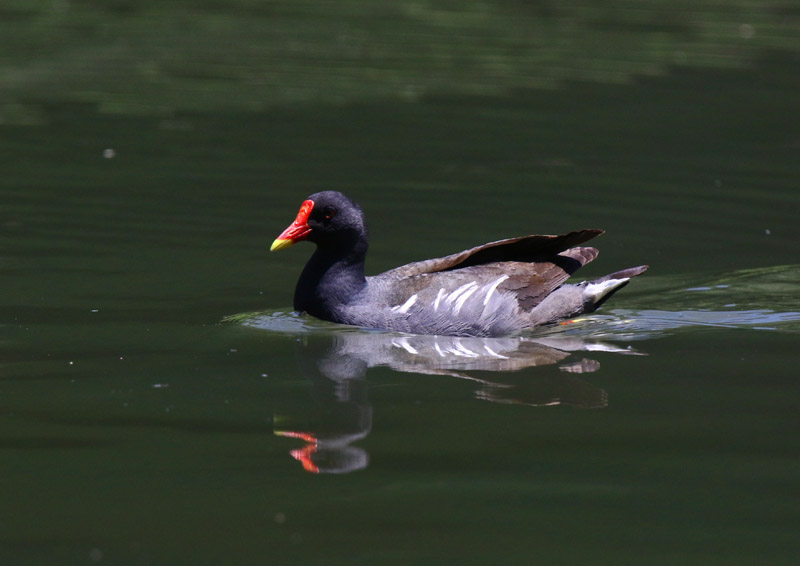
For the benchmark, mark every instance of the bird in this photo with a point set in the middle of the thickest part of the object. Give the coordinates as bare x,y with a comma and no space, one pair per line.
497,289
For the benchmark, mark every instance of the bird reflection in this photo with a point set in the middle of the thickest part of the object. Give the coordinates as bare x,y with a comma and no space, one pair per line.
337,366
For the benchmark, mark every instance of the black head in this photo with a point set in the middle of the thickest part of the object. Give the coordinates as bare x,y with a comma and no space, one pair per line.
329,219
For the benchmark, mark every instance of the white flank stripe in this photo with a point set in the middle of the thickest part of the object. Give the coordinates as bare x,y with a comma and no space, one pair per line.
407,305
493,288
455,294
463,298
439,297
403,343
493,353
461,350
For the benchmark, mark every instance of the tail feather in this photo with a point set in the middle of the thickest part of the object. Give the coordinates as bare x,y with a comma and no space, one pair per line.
623,274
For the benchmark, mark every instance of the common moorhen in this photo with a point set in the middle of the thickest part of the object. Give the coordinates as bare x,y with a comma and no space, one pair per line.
496,289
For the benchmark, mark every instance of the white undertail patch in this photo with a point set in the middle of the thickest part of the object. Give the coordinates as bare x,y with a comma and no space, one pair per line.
596,291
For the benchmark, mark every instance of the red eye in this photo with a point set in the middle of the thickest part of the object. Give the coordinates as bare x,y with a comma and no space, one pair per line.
329,212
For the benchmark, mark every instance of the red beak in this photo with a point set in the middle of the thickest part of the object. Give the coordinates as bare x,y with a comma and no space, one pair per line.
297,230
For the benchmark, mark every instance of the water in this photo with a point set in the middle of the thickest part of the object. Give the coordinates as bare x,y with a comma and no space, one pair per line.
160,403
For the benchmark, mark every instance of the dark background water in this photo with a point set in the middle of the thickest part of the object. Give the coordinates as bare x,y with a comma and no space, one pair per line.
151,153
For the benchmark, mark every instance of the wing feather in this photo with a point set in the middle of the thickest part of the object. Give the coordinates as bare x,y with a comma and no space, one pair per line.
525,249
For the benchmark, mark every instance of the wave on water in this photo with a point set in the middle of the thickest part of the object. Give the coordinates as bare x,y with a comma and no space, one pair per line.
756,299
283,321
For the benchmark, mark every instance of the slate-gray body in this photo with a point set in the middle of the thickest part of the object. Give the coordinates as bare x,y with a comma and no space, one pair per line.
496,289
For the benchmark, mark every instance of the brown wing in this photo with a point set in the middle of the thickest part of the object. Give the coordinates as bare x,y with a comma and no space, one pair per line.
526,249
532,282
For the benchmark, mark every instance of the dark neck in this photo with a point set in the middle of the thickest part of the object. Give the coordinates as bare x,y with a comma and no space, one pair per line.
331,279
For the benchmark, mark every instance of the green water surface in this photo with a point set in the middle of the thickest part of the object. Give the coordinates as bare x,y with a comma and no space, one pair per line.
161,404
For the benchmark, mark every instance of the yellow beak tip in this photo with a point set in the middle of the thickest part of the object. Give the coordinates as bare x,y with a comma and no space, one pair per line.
280,244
